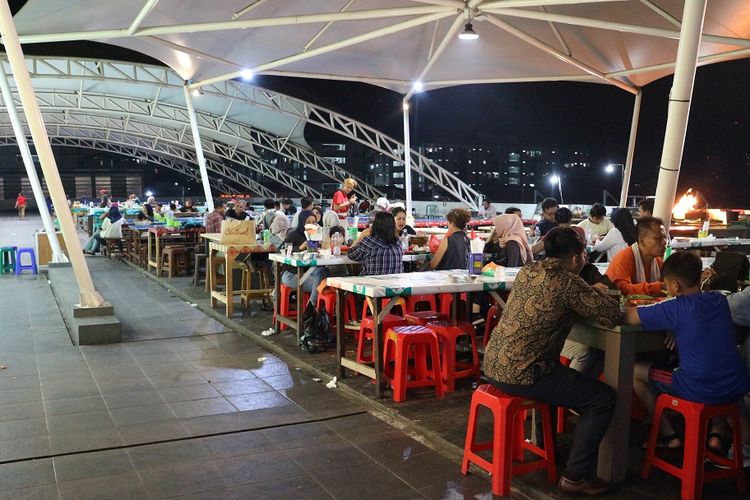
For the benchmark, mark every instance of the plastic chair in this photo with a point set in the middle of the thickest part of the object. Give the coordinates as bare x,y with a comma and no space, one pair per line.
417,342
414,301
328,299
508,438
286,306
448,333
7,260
697,418
20,267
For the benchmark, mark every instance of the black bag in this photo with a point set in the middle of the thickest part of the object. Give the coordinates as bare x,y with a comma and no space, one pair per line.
730,267
316,334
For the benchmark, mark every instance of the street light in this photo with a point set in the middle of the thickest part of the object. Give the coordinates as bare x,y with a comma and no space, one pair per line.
609,169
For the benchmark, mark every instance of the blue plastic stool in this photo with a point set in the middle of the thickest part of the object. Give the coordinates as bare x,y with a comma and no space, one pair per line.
20,267
7,260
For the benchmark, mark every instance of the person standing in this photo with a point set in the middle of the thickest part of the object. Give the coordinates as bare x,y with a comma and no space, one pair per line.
344,198
523,355
487,210
21,206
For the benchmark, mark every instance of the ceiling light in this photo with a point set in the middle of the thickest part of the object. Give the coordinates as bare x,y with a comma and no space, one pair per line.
417,86
247,75
468,33
197,92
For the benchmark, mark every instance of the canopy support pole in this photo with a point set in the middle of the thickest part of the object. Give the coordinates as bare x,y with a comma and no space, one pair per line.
198,149
89,297
679,108
407,158
631,149
28,162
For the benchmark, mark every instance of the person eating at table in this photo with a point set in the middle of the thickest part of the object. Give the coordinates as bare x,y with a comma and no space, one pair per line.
213,220
514,211
523,354
709,369
188,206
318,211
596,224
402,228
379,249
305,204
298,241
563,218
508,242
344,199
279,229
454,249
547,222
621,236
637,268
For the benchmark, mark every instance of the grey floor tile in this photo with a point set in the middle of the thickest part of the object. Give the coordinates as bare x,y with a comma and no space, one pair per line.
330,456
226,374
25,428
197,477
168,454
78,422
17,449
145,397
85,440
18,411
178,379
18,381
300,487
258,401
166,368
237,387
307,435
202,407
124,486
135,415
25,474
10,396
238,444
153,432
371,481
90,465
44,492
258,468
70,391
120,385
188,392
86,404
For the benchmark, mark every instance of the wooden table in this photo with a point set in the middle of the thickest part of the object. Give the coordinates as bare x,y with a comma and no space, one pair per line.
231,251
393,287
620,345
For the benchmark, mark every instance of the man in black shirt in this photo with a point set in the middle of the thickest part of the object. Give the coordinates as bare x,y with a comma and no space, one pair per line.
547,222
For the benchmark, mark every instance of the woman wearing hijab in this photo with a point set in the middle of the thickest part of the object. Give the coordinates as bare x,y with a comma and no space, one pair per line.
298,241
111,229
621,236
279,228
508,242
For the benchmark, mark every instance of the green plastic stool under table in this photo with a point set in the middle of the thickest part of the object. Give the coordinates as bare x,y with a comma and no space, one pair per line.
7,260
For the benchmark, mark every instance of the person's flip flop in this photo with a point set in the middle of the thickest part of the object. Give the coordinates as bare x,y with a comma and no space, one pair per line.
662,442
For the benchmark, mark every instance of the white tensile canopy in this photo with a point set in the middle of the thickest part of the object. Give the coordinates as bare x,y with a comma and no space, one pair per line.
407,46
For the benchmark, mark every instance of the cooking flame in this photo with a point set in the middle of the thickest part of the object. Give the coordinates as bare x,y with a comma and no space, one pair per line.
686,203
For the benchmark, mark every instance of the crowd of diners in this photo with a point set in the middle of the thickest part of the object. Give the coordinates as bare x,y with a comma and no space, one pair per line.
556,286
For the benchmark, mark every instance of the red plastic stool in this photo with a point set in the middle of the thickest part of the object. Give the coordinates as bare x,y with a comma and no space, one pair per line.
446,302
697,417
424,317
402,339
328,298
508,441
286,306
413,301
448,333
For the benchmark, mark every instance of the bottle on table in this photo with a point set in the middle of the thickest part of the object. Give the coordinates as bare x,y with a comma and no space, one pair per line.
336,240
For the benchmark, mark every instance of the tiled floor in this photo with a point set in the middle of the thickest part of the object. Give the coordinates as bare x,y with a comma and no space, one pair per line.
184,408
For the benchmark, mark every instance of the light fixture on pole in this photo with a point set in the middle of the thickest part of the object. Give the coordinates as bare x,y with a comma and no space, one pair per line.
557,179
468,33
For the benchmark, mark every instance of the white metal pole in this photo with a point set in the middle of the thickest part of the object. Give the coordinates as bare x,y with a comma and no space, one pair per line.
28,162
631,149
679,108
88,294
198,149
407,158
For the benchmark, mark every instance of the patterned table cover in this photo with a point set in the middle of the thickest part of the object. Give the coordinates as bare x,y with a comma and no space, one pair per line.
709,242
421,283
335,261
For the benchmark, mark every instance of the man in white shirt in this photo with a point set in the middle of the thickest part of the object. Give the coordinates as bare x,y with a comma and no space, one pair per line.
487,210
305,204
596,225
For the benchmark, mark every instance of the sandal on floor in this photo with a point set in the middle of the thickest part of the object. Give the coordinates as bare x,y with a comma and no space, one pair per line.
724,446
664,442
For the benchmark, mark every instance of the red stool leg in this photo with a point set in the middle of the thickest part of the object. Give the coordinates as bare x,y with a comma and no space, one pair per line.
691,473
651,448
738,458
435,355
549,444
502,452
400,370
471,432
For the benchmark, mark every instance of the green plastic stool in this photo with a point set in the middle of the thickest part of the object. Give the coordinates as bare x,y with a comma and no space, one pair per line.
7,260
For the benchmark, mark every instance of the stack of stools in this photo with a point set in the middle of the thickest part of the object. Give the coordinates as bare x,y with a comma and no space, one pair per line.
367,329
448,332
446,303
174,261
419,316
20,267
697,418
7,260
199,264
286,306
412,342
413,303
508,438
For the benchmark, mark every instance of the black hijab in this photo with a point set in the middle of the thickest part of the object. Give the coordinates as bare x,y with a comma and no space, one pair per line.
623,220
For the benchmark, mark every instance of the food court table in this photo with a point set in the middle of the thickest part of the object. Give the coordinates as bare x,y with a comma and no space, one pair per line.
160,234
304,267
679,243
620,345
231,251
392,287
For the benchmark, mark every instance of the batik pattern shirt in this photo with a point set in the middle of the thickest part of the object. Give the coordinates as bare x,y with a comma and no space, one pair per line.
545,302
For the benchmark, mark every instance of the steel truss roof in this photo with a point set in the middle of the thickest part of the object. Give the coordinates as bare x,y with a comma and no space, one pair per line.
217,122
